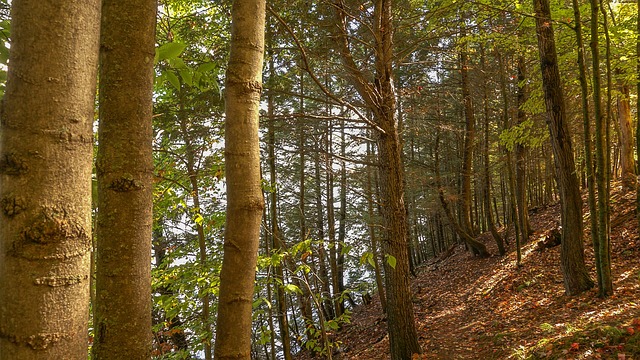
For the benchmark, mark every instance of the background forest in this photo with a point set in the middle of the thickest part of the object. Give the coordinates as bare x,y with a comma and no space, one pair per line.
392,134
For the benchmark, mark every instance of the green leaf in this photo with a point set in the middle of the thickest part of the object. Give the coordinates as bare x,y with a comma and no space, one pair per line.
185,74
177,63
206,67
391,260
173,79
346,249
333,325
292,289
169,50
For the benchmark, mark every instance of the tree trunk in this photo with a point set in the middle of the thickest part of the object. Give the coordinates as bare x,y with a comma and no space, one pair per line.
380,99
193,174
46,153
638,113
372,233
602,168
487,172
587,130
469,140
576,276
520,152
276,242
244,194
628,172
124,172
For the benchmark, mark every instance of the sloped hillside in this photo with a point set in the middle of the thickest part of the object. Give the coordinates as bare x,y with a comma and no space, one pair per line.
470,308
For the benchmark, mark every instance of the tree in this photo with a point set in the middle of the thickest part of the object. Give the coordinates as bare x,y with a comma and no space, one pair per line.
576,276
244,194
46,151
380,99
124,172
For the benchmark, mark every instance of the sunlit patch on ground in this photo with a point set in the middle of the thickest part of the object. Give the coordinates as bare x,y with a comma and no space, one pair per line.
470,308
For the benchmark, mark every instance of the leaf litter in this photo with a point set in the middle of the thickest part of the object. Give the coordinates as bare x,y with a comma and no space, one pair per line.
471,308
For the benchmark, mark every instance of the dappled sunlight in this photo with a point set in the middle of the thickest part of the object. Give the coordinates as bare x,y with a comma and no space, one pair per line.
471,308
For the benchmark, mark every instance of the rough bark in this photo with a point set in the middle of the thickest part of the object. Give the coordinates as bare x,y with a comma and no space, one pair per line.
602,169
485,156
379,97
372,233
628,171
588,146
244,194
638,112
469,141
520,152
576,276
46,153
124,173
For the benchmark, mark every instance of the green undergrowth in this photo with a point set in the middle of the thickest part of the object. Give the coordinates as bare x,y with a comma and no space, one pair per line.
612,340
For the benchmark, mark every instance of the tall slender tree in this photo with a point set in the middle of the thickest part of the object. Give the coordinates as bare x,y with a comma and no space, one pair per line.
124,172
379,96
576,276
46,154
603,261
244,194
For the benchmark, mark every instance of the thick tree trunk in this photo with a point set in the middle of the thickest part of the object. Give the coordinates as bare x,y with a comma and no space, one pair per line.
124,172
244,194
380,98
576,276
46,154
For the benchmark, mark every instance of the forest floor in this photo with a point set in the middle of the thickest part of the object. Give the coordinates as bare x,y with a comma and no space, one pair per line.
472,308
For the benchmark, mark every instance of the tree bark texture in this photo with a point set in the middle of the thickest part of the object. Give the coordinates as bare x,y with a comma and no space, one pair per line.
603,265
469,140
628,171
520,152
244,194
125,190
46,154
588,146
576,276
379,97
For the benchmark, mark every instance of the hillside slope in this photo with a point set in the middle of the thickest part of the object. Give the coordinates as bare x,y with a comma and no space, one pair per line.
470,308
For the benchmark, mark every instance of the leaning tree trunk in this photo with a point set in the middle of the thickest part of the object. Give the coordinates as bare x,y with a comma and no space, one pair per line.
46,153
244,194
576,276
124,172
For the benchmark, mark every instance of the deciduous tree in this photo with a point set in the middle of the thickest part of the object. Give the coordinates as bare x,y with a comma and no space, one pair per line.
46,153
124,171
244,194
